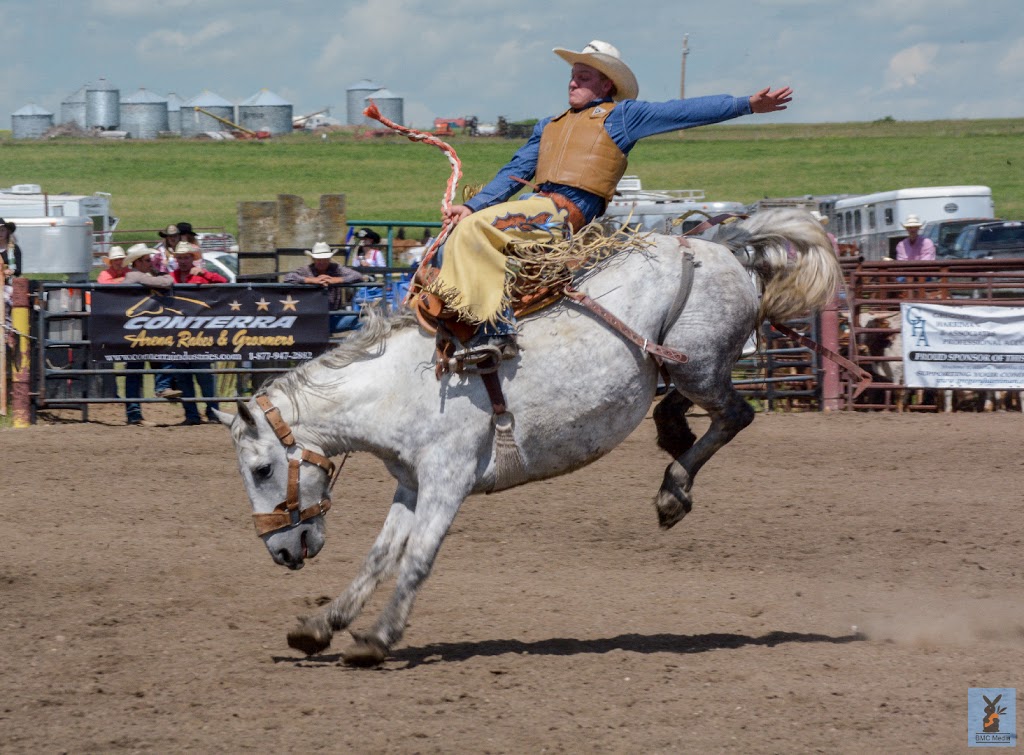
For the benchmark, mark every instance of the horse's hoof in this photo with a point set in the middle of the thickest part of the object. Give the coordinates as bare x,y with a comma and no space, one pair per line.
309,638
366,651
671,509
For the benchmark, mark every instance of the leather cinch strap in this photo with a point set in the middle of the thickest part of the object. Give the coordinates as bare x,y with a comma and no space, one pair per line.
288,513
660,353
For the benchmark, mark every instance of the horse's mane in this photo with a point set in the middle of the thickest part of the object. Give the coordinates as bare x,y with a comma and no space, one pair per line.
366,343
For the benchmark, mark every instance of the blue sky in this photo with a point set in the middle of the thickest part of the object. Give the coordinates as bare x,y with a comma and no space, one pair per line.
909,59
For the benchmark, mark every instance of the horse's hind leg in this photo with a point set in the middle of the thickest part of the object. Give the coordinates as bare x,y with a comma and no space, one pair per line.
674,433
729,414
314,633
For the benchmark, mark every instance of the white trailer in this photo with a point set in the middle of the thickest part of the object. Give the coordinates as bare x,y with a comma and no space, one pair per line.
30,201
874,222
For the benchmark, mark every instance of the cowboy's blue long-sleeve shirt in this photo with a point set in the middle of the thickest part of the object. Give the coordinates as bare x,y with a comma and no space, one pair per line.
629,122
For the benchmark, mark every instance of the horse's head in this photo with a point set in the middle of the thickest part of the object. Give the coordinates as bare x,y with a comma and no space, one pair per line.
288,482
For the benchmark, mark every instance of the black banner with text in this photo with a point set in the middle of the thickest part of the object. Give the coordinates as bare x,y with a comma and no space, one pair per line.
208,324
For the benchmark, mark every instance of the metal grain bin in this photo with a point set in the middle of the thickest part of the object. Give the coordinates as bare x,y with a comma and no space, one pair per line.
72,110
265,111
194,122
55,245
390,106
174,103
354,101
102,106
30,122
143,115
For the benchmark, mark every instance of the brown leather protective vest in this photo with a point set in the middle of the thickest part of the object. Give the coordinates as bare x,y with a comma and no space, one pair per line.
575,150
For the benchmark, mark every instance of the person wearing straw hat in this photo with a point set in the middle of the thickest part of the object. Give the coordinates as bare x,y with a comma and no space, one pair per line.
576,159
323,271
115,270
187,270
139,263
163,252
187,259
914,246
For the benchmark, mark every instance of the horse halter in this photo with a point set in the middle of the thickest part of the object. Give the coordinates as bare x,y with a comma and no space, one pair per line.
288,513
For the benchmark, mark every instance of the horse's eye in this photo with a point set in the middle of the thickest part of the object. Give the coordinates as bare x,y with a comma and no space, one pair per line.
263,473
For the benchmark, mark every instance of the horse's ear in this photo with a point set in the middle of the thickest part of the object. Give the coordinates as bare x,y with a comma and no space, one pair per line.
223,417
245,414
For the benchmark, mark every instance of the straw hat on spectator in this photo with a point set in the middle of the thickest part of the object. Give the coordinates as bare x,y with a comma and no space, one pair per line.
171,230
912,221
321,251
115,253
187,247
135,253
606,59
823,219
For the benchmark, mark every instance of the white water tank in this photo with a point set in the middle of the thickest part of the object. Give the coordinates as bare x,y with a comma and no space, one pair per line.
54,245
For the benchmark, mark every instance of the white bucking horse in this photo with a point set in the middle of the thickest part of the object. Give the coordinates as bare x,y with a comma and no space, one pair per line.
576,390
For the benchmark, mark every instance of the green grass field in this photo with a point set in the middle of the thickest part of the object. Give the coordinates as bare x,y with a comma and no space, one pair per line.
154,183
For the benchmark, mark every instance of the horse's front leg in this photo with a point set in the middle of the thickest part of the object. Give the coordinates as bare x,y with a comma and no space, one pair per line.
314,633
434,515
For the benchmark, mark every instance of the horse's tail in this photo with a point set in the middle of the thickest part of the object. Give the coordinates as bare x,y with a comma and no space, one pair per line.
794,258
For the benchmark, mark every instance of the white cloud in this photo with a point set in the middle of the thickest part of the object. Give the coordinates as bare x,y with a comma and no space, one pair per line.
907,66
1012,62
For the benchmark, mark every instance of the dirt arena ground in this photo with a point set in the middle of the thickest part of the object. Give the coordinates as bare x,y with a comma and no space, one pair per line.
841,583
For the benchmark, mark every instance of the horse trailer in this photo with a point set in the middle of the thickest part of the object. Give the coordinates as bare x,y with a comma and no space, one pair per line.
874,222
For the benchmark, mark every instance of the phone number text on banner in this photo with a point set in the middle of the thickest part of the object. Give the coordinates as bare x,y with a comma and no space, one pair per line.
977,347
211,324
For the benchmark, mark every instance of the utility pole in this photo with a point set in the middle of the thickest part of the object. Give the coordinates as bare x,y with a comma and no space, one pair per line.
682,73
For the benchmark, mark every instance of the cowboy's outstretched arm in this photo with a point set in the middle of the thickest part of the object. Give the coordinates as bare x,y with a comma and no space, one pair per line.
767,101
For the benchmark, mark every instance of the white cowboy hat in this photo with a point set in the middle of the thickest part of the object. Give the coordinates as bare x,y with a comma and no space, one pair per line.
187,247
136,252
321,251
606,59
823,219
115,253
912,221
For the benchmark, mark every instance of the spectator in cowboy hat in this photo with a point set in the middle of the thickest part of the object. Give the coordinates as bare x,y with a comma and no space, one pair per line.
187,255
914,246
139,260
115,270
577,158
164,251
186,233
187,258
323,271
368,254
10,267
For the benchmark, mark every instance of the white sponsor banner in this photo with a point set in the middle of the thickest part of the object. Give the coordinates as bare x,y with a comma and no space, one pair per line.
962,347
